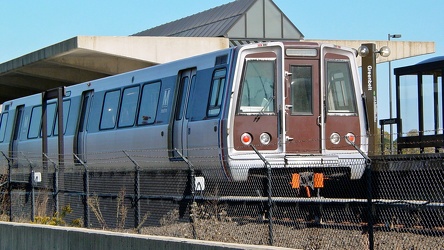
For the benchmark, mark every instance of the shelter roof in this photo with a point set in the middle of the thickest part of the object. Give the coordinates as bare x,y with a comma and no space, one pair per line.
431,66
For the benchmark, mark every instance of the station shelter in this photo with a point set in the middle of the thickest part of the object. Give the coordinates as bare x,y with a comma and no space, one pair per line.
419,106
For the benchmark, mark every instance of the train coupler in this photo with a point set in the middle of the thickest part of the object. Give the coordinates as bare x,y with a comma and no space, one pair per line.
309,181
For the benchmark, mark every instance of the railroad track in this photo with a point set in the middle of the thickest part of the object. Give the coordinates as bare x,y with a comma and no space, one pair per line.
407,216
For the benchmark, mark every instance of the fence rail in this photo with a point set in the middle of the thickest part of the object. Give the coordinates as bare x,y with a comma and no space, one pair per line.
402,197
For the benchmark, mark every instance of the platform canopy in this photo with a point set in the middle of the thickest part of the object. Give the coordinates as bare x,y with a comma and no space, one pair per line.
86,58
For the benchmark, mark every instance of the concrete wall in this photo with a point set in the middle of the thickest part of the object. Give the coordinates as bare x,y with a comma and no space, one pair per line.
32,236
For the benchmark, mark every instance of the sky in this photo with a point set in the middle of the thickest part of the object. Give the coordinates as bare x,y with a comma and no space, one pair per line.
28,25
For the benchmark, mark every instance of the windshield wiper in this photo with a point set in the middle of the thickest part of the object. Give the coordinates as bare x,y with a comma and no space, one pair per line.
265,106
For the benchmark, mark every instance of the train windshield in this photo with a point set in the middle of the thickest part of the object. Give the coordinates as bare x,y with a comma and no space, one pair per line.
340,89
257,90
301,90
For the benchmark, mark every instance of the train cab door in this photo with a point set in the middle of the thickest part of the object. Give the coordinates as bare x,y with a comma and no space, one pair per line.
180,123
303,113
342,116
81,132
16,134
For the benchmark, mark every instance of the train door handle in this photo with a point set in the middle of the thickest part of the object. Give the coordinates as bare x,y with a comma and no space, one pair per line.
189,130
318,120
288,138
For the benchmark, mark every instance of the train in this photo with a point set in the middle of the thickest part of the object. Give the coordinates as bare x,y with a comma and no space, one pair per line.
284,105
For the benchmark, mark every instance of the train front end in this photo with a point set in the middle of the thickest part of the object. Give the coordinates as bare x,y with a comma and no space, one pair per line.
298,107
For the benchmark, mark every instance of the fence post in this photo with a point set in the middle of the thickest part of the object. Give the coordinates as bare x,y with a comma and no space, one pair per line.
55,184
136,193
368,172
32,195
85,191
191,178
9,184
56,189
31,181
270,201
137,198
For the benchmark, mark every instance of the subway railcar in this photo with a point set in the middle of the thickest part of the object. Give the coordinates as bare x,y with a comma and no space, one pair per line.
294,102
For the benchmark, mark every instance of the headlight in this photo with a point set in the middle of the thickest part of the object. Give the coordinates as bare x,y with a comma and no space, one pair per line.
335,138
265,138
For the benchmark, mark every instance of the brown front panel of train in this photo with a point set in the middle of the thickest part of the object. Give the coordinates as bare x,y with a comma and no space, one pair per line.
342,125
255,126
303,133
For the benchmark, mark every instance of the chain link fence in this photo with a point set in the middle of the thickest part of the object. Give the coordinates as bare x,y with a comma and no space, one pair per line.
120,191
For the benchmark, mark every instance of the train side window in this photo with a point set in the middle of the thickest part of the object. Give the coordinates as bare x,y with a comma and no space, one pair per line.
183,92
109,110
3,122
66,107
216,92
128,108
301,90
257,87
340,89
22,123
50,115
148,103
191,99
35,121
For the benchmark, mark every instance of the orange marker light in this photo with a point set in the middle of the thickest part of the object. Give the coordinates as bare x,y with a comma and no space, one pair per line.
350,138
246,138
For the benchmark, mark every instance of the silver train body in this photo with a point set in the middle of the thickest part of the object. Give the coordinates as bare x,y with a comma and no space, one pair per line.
293,101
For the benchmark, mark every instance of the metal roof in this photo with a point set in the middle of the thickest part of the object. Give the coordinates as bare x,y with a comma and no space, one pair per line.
255,20
431,66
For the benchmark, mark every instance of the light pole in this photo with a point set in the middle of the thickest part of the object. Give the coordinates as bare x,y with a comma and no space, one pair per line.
368,52
390,93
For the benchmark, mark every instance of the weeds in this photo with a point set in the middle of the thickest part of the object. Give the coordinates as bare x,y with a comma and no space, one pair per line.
144,218
211,210
41,204
57,219
4,197
122,211
170,218
94,204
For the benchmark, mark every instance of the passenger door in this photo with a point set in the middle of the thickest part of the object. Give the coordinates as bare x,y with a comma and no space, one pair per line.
180,123
16,135
203,112
81,132
303,117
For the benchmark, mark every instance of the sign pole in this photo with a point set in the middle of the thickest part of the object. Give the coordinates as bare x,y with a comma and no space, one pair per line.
369,88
